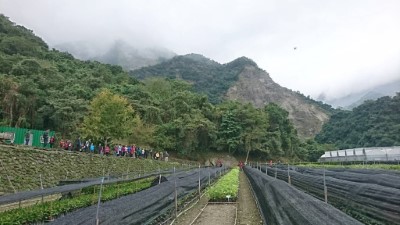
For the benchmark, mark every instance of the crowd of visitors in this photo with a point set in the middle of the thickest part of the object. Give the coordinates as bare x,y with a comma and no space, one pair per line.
119,150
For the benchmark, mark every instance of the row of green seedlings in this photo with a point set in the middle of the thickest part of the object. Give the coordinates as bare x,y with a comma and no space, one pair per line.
89,196
226,189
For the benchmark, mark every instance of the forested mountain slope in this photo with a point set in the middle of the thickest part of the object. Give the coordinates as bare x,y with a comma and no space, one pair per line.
48,89
374,123
42,88
241,80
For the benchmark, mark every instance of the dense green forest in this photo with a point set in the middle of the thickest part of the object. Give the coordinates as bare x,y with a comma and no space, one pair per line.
207,76
48,89
374,123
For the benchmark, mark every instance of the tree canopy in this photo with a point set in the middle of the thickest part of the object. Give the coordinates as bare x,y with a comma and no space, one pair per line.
372,124
110,116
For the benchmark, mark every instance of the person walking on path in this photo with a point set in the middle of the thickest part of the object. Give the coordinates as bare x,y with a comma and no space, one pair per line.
45,138
27,137
166,155
91,148
52,141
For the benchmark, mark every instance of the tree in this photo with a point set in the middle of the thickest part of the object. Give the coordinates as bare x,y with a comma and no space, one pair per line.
282,130
230,130
110,116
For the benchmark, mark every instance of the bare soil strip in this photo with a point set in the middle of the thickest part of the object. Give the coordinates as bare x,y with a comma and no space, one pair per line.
221,214
188,217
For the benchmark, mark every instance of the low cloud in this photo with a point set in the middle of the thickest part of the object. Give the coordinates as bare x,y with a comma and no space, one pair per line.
341,46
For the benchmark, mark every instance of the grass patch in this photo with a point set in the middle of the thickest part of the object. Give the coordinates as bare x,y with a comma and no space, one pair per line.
227,185
48,210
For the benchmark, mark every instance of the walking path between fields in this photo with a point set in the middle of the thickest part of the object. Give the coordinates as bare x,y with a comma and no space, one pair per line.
224,214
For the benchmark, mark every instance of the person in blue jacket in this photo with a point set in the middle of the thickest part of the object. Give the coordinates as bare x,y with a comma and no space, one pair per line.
91,148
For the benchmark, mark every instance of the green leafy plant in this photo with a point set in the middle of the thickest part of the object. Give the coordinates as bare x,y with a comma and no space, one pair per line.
228,185
48,210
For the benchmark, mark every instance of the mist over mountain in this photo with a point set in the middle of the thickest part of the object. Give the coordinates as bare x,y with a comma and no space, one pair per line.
355,99
244,81
118,53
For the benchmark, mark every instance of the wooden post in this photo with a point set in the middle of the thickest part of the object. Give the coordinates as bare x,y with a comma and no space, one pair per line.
325,189
266,168
176,197
209,178
41,185
98,203
199,183
288,174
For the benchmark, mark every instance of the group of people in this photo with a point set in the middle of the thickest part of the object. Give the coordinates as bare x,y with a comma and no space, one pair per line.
117,150
45,139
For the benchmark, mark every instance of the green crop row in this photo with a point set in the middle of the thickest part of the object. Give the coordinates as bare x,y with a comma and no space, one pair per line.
48,210
228,185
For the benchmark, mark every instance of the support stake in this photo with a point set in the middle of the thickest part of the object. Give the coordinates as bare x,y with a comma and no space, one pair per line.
176,197
325,189
98,202
199,183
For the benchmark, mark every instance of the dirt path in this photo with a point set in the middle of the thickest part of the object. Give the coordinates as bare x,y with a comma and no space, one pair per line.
248,213
188,217
221,214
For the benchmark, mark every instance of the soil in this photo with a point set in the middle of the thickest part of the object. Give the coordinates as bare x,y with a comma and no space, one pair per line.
221,214
203,214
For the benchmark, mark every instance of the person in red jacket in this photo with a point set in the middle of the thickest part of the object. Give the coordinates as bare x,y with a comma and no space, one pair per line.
107,150
241,165
52,141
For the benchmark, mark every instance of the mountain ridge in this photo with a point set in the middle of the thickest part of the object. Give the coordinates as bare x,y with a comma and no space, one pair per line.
241,80
353,100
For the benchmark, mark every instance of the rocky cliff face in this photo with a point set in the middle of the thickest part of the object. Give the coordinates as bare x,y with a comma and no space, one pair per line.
244,81
256,86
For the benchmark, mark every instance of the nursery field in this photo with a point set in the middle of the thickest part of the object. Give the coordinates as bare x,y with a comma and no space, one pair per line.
368,195
150,206
284,196
284,204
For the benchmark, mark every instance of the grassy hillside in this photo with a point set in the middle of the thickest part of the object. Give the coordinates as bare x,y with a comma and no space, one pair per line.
23,167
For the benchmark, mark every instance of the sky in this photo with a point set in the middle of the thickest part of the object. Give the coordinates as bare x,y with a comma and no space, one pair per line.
330,47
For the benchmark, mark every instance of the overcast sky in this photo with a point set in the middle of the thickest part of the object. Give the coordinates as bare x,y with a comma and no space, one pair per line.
342,45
